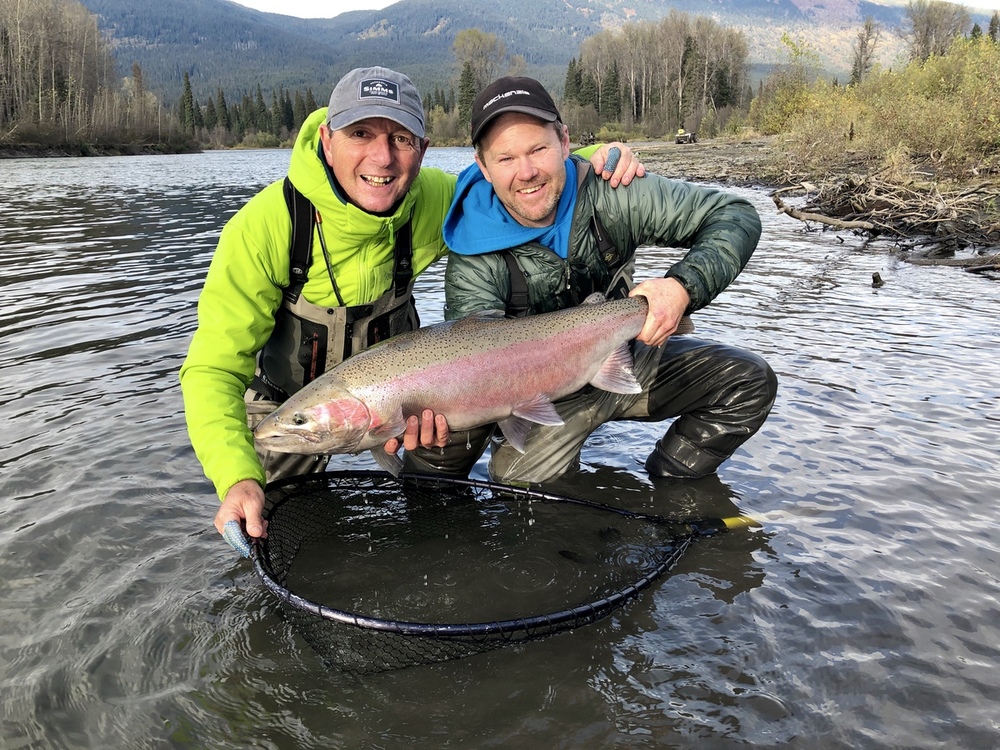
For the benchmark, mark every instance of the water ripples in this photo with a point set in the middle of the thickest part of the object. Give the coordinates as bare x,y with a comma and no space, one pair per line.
863,614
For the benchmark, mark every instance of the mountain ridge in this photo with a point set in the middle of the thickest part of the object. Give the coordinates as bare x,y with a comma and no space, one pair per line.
221,44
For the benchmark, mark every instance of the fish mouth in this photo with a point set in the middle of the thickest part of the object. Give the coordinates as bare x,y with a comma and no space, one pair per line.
282,441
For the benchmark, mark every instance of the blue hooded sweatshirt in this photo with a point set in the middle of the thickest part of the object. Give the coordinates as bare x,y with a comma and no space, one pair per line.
477,222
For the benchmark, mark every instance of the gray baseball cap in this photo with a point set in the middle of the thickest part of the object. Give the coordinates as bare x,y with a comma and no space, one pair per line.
376,92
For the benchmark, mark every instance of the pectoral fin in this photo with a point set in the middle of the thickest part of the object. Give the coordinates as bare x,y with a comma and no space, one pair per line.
388,461
515,430
615,375
392,427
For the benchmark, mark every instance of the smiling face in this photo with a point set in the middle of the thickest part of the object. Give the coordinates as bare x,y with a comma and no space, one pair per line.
374,160
525,161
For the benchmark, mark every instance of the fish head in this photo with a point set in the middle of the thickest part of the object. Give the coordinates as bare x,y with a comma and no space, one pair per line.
307,424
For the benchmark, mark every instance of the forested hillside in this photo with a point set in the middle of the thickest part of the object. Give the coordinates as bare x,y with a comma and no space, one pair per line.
251,78
219,43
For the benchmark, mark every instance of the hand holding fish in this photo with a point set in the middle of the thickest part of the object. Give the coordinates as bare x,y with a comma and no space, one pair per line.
668,300
429,430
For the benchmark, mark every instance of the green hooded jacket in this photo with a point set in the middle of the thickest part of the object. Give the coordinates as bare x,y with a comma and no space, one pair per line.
246,277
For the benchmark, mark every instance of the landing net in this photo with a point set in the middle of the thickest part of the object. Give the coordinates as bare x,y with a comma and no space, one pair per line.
377,572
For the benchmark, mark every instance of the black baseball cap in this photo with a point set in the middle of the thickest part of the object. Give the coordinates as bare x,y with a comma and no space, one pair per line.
511,94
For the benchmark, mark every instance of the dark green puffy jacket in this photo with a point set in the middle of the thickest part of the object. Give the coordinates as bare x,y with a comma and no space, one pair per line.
720,229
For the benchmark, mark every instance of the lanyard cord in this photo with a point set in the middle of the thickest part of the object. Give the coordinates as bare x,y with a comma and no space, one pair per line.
326,257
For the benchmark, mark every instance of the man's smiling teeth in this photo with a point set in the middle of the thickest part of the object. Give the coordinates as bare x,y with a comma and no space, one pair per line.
529,190
377,181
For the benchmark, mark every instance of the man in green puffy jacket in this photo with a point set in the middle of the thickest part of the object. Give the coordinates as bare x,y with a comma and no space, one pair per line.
368,220
531,229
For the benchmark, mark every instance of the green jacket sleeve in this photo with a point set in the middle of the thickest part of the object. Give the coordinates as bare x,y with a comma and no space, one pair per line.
235,317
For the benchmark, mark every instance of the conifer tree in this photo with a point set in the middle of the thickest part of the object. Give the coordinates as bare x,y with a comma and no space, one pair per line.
571,90
277,113
611,100
287,113
588,90
225,119
186,109
211,115
198,118
261,114
299,112
466,94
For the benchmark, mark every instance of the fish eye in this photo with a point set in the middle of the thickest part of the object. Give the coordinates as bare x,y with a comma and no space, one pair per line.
299,418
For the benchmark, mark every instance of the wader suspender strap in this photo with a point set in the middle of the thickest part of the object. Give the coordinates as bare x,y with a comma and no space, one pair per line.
605,247
402,270
303,221
519,303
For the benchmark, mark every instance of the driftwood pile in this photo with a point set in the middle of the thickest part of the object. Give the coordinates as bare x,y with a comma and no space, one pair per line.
914,214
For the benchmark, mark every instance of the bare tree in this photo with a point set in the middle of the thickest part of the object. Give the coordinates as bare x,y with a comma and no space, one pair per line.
864,50
57,77
485,54
932,25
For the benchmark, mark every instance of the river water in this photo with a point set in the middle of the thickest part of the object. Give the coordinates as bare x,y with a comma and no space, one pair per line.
863,613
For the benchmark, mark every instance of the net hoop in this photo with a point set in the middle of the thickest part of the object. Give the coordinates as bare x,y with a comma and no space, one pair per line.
525,627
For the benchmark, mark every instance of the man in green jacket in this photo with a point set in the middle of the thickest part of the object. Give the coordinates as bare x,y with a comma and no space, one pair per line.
531,229
367,220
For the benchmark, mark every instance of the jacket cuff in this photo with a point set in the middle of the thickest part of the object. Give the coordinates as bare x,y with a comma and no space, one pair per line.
689,286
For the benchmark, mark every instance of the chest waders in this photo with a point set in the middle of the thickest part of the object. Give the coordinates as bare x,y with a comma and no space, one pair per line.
309,339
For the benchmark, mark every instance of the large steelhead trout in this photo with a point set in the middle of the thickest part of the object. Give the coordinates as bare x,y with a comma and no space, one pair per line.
477,370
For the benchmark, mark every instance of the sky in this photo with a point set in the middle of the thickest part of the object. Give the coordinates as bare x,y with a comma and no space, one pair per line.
330,8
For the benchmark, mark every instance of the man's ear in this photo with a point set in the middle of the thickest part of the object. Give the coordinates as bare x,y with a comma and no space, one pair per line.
564,141
482,168
324,140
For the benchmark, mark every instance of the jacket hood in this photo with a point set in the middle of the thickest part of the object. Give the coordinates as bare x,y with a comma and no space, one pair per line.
311,175
477,222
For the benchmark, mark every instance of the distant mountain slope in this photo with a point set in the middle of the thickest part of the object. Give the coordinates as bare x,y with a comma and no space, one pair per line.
222,44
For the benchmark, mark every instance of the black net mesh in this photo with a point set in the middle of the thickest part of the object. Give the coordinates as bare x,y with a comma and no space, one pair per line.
377,572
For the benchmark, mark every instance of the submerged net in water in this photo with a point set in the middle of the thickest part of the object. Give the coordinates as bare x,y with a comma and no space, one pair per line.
377,572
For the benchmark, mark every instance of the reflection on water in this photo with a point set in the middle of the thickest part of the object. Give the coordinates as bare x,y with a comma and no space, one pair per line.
862,614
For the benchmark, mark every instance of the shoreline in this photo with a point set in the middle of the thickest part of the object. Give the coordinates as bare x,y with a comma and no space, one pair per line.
925,220
67,150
